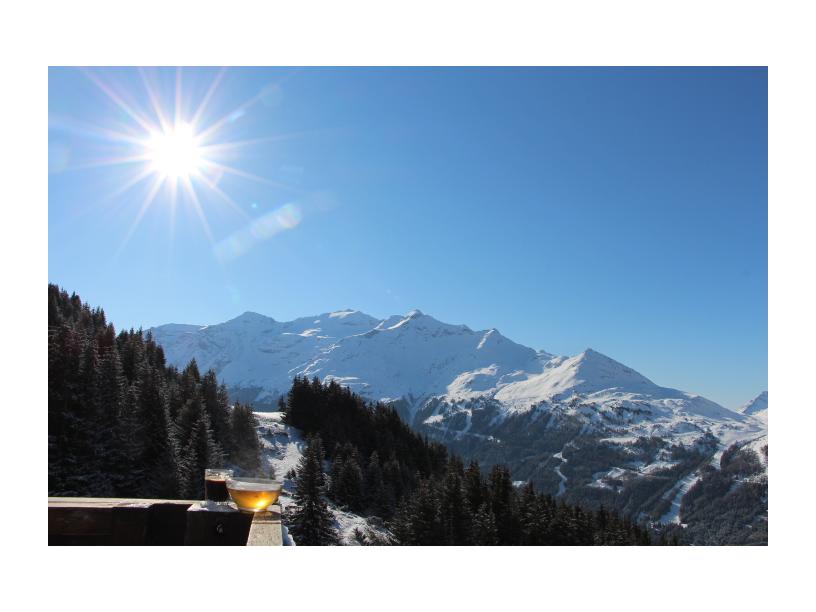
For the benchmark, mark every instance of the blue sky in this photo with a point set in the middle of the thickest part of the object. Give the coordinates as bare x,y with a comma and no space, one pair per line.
619,209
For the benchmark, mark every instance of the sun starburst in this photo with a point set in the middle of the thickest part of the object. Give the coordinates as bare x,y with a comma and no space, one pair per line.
177,153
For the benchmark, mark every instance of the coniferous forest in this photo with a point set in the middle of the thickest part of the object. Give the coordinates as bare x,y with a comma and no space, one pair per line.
122,423
379,467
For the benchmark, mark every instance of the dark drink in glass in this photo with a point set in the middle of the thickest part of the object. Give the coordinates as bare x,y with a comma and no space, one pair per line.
215,484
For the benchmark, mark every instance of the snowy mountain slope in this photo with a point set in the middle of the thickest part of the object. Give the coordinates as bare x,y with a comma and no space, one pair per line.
256,352
411,356
418,356
596,394
597,378
757,407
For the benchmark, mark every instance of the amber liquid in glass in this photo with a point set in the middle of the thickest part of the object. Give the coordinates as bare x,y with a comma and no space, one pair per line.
255,501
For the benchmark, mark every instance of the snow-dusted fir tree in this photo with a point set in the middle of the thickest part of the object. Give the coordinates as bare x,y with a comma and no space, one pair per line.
311,522
245,446
201,452
484,527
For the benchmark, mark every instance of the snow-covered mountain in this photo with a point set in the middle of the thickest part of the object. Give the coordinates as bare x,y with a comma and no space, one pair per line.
415,359
757,407
254,352
410,356
586,426
602,380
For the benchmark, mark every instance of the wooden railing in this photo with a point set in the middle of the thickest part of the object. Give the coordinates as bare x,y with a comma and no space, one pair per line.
114,521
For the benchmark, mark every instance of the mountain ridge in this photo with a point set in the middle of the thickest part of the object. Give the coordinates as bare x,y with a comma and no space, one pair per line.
413,356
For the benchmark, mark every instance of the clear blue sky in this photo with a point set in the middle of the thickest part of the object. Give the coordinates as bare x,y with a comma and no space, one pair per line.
619,209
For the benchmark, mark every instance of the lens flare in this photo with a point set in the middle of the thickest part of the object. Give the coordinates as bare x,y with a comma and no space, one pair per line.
235,245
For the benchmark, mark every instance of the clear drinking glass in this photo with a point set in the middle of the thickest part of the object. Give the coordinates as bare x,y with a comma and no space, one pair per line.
253,494
215,484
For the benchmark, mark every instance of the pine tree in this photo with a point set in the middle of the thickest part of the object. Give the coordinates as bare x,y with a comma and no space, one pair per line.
243,435
54,314
200,453
336,474
131,352
425,520
484,527
529,517
474,486
93,476
503,504
454,511
376,498
311,522
401,529
158,438
110,386
216,404
187,418
126,468
394,478
350,487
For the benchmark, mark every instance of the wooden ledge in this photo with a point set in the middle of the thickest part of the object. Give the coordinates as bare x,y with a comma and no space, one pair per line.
119,521
266,529
113,502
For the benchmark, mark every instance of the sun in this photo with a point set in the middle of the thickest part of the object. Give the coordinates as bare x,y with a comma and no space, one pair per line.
176,149
175,152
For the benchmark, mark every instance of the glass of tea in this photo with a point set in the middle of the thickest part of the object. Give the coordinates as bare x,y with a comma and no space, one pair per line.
215,484
253,494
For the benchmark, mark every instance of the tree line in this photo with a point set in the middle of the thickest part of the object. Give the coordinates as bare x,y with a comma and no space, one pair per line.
123,423
365,458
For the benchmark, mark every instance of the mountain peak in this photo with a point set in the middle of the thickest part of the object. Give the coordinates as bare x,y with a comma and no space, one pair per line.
342,314
418,320
756,406
597,366
590,355
249,316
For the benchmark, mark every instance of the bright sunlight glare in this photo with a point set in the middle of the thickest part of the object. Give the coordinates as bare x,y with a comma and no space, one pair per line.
174,153
177,154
